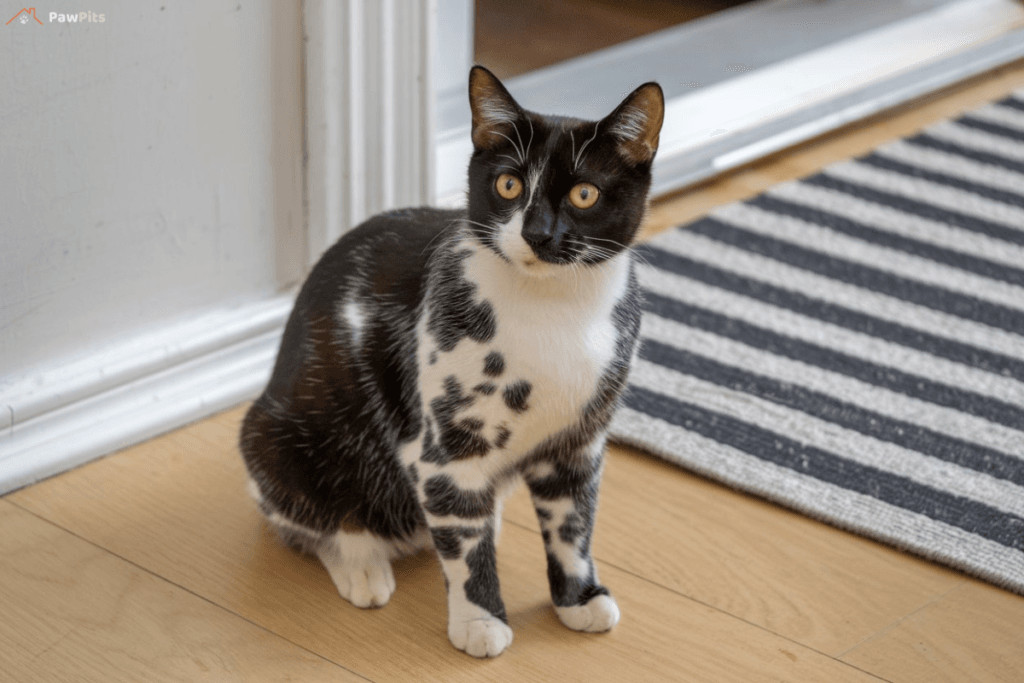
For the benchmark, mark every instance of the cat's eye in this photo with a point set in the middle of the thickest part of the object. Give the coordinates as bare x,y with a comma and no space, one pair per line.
508,186
584,195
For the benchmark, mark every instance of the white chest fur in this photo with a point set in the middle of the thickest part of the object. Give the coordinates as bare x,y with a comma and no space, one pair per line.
555,335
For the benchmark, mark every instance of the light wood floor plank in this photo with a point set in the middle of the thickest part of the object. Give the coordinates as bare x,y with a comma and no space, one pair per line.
975,633
177,507
774,568
70,611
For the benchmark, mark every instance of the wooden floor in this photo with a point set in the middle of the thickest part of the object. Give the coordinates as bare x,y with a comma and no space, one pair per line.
153,565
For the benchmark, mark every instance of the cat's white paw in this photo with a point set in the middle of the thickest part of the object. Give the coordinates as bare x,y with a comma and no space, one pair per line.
600,614
369,586
480,637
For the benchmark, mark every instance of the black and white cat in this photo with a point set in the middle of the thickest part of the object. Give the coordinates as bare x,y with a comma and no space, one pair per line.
435,358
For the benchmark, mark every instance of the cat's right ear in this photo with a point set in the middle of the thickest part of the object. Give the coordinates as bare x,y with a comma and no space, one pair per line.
494,110
636,123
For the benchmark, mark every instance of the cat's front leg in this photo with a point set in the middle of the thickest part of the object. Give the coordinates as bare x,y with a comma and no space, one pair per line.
462,523
564,489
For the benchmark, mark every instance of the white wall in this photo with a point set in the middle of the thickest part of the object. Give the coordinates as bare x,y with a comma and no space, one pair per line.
150,170
454,48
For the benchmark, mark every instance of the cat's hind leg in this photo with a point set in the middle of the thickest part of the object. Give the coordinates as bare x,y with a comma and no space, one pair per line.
360,566
357,560
359,563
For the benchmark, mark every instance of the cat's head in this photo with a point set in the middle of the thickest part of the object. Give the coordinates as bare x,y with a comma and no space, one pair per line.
546,192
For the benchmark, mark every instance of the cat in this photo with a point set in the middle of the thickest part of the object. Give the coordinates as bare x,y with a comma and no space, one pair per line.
435,358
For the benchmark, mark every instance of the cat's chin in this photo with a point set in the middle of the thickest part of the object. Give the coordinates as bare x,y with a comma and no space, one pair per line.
514,250
534,267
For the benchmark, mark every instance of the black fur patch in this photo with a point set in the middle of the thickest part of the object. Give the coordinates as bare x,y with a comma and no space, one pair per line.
576,478
516,394
414,474
486,388
482,586
459,444
445,498
457,439
448,540
431,451
502,437
463,440
494,364
572,528
568,591
454,312
453,400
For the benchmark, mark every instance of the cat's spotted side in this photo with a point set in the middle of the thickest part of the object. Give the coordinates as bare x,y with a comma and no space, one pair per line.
434,359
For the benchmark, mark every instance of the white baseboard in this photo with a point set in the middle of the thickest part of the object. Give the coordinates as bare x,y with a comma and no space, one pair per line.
67,415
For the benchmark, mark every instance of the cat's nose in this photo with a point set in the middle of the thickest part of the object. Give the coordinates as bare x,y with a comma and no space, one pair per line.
539,229
536,238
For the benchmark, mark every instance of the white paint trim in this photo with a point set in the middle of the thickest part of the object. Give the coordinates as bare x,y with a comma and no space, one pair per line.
370,104
772,100
122,395
70,380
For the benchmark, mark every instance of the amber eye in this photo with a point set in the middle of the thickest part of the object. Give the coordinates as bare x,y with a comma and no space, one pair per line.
584,195
508,186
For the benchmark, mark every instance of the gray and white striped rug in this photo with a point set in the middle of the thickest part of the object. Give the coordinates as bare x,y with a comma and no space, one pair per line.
851,345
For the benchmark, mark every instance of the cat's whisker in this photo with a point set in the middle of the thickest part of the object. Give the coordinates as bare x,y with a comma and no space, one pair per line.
492,228
642,259
520,138
512,142
579,156
605,239
439,235
587,249
530,143
492,231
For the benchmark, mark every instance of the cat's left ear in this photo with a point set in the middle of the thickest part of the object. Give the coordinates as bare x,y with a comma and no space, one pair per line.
636,123
494,110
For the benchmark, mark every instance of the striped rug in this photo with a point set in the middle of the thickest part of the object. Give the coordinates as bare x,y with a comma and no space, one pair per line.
851,345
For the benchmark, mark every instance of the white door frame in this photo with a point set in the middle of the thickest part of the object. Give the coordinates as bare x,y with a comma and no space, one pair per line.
369,111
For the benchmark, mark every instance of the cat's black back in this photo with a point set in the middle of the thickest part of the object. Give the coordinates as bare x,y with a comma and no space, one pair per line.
323,382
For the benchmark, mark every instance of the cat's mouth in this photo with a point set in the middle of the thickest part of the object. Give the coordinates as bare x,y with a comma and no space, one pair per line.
532,264
535,267
537,262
